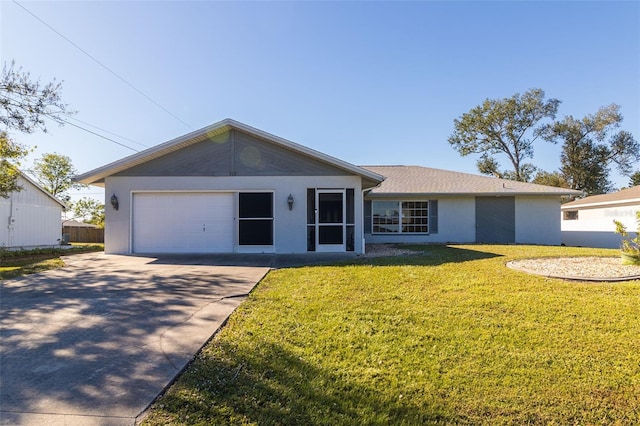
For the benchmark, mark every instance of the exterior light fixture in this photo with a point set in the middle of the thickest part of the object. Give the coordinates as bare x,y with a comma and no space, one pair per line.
114,202
290,201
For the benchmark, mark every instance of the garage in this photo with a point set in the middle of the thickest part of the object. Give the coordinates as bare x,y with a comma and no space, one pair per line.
182,222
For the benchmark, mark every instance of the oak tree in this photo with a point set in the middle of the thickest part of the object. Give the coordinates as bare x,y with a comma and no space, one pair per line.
591,146
10,155
25,106
504,127
550,179
55,173
90,211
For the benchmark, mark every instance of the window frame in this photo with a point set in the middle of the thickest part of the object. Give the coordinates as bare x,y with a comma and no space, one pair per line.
399,219
270,219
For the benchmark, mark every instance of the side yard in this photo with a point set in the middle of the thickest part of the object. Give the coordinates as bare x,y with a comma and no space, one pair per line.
14,263
448,336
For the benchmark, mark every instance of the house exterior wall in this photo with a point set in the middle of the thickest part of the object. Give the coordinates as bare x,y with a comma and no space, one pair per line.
537,220
594,226
289,226
29,218
456,223
536,217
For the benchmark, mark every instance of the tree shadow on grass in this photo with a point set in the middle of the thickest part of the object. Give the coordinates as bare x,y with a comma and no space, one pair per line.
271,385
428,255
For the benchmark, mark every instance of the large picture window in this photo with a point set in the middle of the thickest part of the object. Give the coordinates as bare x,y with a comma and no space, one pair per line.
255,226
402,217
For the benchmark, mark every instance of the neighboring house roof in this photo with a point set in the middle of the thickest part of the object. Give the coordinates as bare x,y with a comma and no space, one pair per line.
96,176
624,196
76,224
418,180
44,191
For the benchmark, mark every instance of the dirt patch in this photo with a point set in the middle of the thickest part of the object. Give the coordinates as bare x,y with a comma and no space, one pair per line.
380,250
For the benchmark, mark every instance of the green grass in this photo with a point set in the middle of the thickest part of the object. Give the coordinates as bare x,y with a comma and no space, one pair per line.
451,336
15,263
25,267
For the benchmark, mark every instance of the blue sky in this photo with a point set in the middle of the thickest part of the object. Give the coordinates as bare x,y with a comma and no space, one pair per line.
367,82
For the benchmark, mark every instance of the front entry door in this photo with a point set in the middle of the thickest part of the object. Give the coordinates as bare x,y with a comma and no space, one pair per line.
330,220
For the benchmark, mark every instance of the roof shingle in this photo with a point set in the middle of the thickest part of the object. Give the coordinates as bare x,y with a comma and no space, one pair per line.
618,197
418,180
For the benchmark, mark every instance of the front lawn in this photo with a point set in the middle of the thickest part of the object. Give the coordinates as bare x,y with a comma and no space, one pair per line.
450,336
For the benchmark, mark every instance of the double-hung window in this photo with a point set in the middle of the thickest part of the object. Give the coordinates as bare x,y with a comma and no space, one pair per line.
401,217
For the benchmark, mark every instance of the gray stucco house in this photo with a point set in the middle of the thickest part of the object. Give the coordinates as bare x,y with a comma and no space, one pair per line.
230,188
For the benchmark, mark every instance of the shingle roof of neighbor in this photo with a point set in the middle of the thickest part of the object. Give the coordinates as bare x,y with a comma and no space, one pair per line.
623,196
420,180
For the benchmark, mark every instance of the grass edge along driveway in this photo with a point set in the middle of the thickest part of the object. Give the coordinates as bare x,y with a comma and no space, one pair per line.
450,336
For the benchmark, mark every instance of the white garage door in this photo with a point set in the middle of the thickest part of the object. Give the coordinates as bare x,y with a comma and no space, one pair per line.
183,222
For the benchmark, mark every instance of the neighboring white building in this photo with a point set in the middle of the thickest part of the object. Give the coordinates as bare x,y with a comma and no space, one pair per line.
31,217
231,188
588,222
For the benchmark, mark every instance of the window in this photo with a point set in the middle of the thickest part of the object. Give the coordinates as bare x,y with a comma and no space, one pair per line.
415,217
402,217
255,226
570,215
386,216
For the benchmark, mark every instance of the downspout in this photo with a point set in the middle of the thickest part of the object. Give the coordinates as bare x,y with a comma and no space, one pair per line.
362,223
364,244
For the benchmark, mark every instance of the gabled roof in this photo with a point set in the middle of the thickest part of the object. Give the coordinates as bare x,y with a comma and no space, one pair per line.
97,176
418,180
624,196
41,189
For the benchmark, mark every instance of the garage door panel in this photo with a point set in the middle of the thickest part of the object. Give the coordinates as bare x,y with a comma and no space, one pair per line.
183,223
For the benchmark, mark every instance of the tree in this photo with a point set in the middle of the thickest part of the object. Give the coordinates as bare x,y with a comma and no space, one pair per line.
90,211
10,155
504,126
55,173
589,148
550,179
24,106
634,179
25,103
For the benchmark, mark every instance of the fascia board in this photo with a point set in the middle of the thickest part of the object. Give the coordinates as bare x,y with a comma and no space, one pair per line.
37,185
630,201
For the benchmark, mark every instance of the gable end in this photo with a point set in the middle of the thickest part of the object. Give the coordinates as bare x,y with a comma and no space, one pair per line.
233,153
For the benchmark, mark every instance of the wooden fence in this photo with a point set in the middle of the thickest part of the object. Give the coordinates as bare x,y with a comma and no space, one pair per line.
84,235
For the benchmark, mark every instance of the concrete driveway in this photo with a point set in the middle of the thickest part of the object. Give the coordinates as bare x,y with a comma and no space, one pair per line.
96,341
